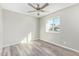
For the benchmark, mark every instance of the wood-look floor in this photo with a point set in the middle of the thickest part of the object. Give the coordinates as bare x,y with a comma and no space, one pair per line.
36,48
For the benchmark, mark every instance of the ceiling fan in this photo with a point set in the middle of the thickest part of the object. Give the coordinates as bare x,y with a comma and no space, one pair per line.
37,7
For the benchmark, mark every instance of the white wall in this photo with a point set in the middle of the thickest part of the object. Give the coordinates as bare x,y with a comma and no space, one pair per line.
17,26
1,28
70,25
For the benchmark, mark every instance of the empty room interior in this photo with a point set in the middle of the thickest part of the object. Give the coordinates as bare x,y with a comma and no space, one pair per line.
39,29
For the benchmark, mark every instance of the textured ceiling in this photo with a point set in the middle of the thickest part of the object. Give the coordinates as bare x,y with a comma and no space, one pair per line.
24,8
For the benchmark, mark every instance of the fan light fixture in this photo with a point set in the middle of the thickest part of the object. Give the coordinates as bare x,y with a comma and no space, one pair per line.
37,7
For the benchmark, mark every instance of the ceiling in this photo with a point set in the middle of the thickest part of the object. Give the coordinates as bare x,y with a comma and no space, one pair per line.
23,8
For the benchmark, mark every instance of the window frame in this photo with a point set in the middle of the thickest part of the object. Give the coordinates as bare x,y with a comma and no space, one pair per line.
53,31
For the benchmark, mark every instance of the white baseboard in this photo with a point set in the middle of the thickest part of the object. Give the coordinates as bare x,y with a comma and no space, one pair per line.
17,42
11,44
68,48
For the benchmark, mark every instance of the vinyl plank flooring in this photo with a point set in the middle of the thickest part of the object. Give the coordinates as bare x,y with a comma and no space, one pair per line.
36,48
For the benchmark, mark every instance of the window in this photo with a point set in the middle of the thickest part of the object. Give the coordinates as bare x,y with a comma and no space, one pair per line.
53,25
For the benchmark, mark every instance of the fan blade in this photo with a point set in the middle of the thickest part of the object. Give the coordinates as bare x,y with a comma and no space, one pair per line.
44,6
31,11
42,10
31,5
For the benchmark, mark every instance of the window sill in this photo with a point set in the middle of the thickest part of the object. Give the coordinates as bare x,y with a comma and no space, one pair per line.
53,32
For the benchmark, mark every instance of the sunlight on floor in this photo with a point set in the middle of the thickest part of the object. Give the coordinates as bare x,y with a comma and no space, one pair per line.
27,39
